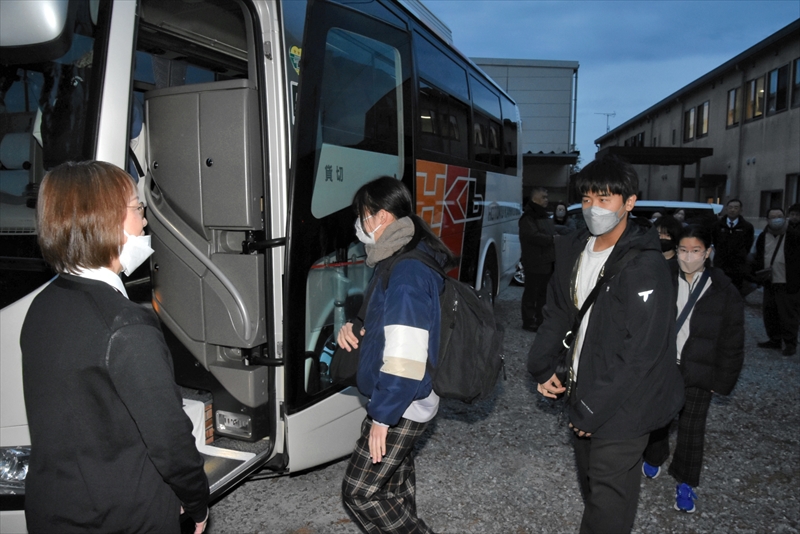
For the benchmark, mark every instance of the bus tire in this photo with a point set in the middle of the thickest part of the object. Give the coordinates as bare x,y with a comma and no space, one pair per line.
489,278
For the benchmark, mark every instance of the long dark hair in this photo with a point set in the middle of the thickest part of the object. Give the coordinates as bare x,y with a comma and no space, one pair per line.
387,193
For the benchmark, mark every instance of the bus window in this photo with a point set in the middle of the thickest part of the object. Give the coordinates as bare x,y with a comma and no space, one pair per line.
509,136
360,118
435,66
486,142
484,98
48,114
443,122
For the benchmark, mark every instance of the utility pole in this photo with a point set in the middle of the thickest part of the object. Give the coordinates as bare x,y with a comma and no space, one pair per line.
608,116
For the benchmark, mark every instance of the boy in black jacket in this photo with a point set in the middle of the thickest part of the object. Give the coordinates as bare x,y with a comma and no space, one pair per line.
625,381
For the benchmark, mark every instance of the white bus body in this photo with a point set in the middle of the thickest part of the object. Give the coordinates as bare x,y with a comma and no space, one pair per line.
249,124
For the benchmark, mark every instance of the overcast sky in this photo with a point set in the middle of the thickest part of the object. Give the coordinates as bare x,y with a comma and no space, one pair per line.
632,54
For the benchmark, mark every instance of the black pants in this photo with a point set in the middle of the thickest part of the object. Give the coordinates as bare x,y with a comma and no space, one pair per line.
687,461
609,472
533,297
781,314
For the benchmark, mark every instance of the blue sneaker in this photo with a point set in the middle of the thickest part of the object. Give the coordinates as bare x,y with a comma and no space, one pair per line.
684,498
651,471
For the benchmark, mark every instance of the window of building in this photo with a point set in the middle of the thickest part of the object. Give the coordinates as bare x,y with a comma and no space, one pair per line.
702,119
792,189
778,90
796,84
673,137
734,107
655,141
754,98
688,125
770,199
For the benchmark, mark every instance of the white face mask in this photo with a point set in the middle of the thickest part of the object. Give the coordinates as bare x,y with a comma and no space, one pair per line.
691,263
134,252
776,224
600,220
364,237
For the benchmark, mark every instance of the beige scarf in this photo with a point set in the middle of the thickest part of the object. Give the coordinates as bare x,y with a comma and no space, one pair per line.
395,237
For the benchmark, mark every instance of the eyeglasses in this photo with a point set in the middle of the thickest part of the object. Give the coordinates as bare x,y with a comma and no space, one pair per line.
139,209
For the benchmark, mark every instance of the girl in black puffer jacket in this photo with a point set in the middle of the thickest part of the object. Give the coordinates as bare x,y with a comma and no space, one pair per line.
710,356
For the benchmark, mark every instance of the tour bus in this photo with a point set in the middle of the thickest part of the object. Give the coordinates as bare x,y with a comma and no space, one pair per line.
249,125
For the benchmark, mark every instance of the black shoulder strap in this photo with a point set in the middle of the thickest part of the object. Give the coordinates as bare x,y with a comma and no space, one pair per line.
777,248
692,300
607,275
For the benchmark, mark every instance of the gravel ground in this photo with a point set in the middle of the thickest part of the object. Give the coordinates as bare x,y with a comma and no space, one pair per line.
505,465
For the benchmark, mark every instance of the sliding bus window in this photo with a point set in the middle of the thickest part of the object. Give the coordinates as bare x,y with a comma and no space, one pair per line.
440,69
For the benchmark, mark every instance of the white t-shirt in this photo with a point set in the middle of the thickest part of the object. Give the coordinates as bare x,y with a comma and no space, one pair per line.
589,272
684,291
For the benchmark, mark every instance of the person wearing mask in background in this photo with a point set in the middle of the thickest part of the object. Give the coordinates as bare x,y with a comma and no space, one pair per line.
778,248
680,216
564,223
400,337
623,382
669,230
733,237
710,344
111,447
536,236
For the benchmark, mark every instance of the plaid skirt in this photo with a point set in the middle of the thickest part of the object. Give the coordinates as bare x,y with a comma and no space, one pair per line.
382,496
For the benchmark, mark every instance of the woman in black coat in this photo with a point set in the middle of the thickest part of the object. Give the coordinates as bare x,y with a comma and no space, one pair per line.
111,447
710,356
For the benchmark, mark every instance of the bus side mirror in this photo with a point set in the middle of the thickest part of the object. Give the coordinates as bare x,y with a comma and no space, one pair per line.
33,32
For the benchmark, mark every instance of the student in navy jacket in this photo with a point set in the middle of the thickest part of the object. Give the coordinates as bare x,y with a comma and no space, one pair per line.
625,381
400,335
710,357
111,447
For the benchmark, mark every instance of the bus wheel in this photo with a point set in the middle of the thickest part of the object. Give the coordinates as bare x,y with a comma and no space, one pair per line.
489,279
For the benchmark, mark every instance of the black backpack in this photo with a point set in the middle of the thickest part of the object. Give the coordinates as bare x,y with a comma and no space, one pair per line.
471,341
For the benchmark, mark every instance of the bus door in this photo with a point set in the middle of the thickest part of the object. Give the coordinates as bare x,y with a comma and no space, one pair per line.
352,126
196,80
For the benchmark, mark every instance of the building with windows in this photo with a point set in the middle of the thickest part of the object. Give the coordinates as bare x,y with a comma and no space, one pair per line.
732,133
546,94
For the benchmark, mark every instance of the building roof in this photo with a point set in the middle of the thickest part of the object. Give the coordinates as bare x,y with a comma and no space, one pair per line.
503,62
647,155
788,31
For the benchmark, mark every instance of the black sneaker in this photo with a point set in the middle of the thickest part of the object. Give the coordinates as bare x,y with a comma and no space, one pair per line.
769,344
790,351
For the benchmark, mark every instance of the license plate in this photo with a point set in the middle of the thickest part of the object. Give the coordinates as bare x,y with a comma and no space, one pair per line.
234,424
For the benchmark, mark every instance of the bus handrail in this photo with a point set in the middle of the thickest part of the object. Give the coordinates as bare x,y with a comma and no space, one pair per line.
237,297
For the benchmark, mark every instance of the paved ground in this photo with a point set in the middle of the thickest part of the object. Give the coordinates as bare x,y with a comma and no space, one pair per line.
505,465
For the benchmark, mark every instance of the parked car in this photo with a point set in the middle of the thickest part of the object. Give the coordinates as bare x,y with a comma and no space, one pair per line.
696,212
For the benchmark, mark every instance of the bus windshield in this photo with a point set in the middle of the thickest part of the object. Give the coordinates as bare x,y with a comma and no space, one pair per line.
48,112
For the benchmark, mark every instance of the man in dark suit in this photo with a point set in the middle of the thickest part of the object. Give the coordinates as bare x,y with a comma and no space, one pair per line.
733,237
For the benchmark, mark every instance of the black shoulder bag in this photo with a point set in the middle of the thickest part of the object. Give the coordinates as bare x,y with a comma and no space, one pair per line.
565,355
764,276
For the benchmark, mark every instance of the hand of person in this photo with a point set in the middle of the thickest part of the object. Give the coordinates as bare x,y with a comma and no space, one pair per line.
377,442
199,528
580,433
552,388
346,338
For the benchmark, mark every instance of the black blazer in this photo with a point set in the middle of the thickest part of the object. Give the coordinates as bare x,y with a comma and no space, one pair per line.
111,448
628,383
714,353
